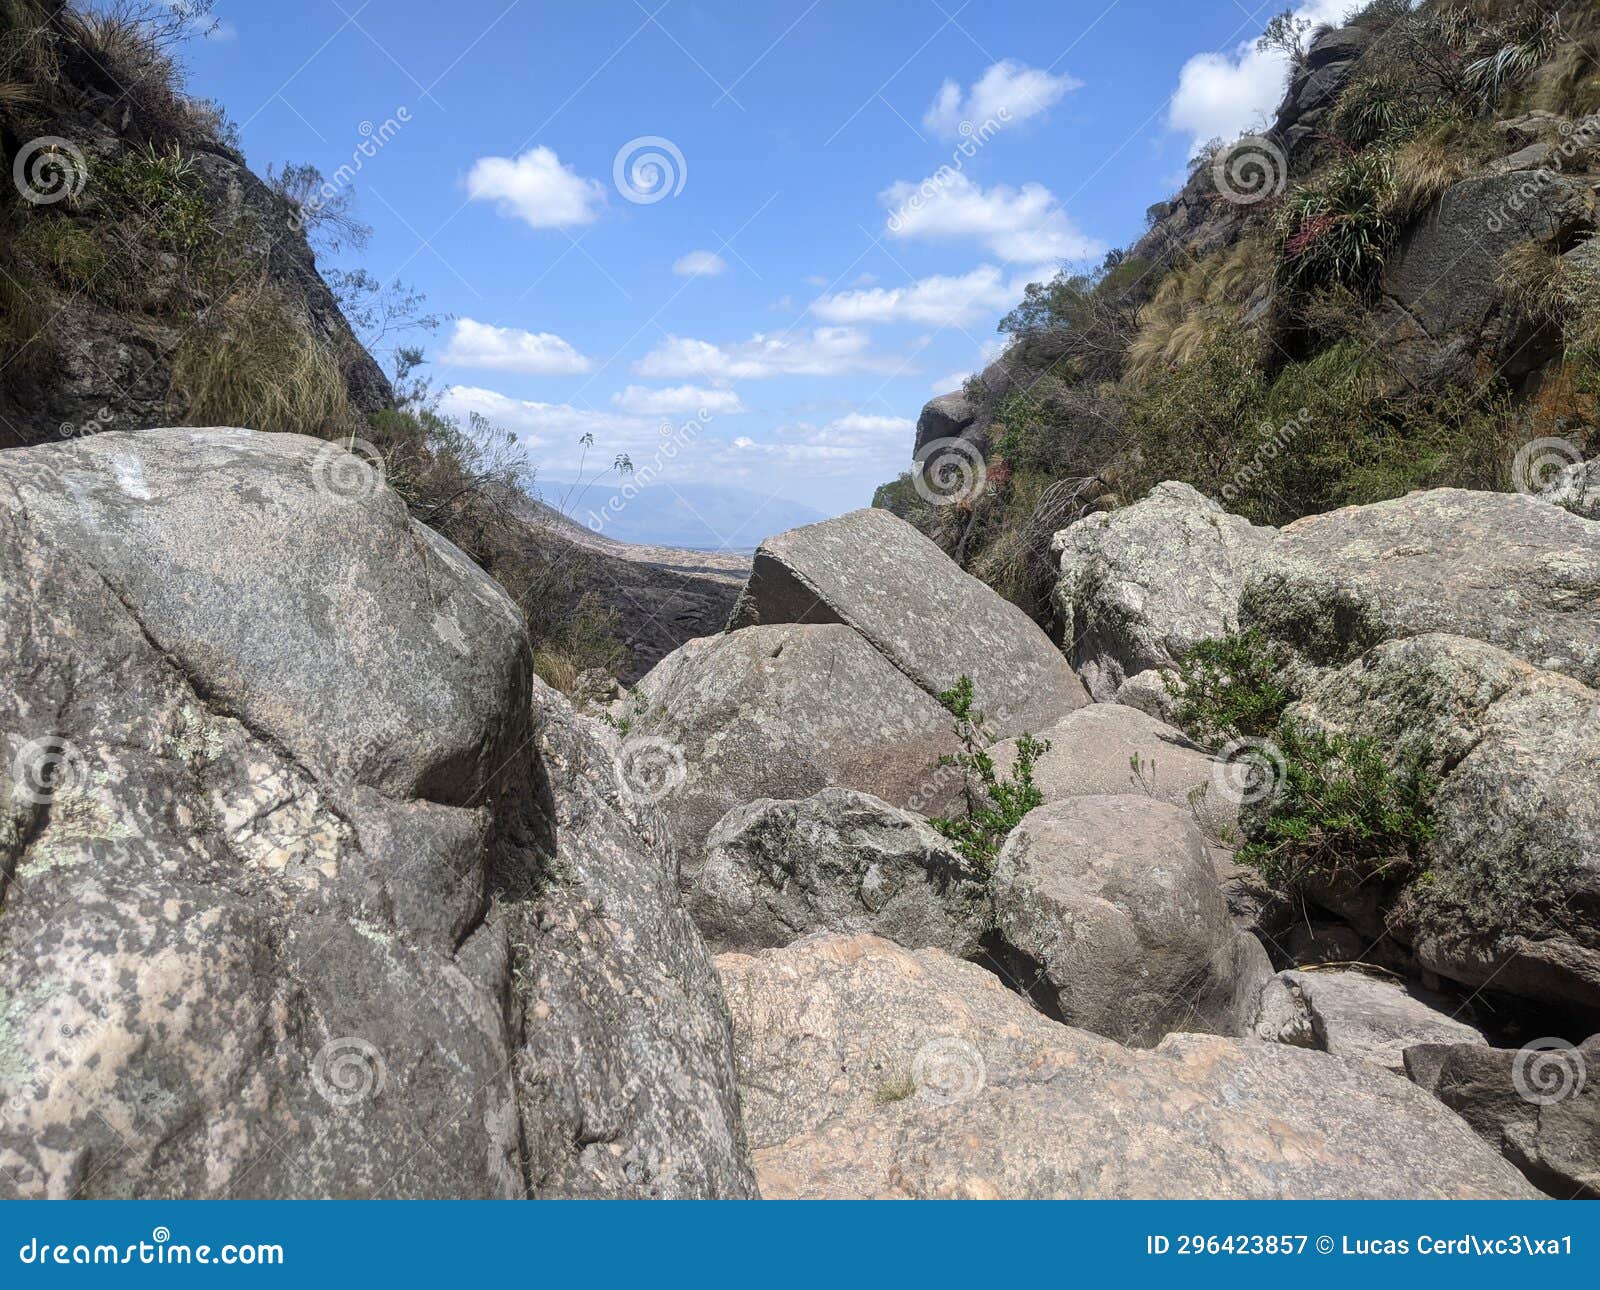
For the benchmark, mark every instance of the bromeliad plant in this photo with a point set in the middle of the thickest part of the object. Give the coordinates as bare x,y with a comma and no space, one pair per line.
995,806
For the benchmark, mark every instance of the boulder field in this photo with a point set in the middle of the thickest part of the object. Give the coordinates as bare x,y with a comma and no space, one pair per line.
310,888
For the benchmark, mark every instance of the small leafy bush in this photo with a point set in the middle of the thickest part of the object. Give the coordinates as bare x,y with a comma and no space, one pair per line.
1345,808
1234,687
994,806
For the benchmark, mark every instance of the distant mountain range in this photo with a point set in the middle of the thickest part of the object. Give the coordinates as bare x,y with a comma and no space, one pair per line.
698,517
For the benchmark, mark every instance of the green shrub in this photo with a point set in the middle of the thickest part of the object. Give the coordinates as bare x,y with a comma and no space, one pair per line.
1234,686
160,191
1345,808
1339,227
994,806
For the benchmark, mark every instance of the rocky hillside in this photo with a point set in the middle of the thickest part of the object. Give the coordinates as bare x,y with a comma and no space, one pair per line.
148,276
1394,285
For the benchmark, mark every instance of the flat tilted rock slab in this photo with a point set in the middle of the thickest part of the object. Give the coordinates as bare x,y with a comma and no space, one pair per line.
936,623
869,1070
1514,571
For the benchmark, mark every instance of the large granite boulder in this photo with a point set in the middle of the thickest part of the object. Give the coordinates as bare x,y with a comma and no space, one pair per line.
1499,567
1538,1105
1511,893
1358,1015
1444,311
868,1070
1111,917
1110,748
839,861
782,712
280,858
944,417
934,622
1141,586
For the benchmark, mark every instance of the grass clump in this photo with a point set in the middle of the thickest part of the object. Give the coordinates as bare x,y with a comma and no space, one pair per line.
995,806
252,363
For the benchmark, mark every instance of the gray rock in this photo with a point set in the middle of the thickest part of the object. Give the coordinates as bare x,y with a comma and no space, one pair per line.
782,712
1358,1015
943,418
1445,310
260,941
1152,692
1498,567
1577,489
870,1070
1539,1106
1109,748
625,1064
1142,585
1112,914
1512,896
936,623
839,861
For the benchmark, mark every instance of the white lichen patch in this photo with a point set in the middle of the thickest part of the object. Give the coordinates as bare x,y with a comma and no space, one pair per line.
276,820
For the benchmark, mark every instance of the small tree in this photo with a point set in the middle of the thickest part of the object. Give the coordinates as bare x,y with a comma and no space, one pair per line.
1286,33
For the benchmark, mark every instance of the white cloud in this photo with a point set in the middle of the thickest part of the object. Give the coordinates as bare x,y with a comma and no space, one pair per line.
936,301
1224,95
827,351
852,443
676,399
537,189
1024,225
506,349
1008,91
699,264
552,431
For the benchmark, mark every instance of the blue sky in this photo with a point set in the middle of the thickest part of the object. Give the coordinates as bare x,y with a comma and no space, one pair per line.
785,307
